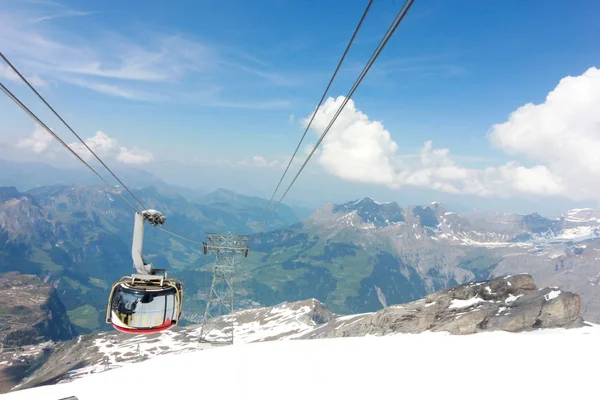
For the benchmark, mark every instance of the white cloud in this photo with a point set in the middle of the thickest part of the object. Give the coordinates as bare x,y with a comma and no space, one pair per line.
562,134
105,146
161,67
64,14
35,80
114,90
259,161
101,144
38,142
435,169
134,156
112,55
7,73
165,61
561,137
355,148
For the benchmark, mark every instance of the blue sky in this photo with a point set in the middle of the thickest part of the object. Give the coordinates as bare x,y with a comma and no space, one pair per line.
207,92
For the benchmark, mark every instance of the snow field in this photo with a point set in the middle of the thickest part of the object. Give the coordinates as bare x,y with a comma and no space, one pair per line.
546,364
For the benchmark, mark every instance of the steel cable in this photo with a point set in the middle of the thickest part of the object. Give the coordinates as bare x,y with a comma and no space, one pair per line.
321,101
376,53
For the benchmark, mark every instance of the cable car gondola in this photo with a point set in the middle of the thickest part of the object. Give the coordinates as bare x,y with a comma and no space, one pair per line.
144,306
146,302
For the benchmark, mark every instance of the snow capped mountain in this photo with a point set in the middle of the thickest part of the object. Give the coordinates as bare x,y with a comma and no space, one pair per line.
369,211
582,215
477,228
356,368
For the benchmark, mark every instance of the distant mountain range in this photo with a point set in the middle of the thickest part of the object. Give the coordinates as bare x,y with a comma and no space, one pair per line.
354,257
26,176
29,175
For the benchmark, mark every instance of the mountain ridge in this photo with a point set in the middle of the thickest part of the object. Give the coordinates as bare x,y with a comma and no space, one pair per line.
352,261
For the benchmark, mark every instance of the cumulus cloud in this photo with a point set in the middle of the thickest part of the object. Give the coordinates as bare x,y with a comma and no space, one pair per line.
105,146
101,144
435,169
562,134
38,142
560,138
355,147
134,156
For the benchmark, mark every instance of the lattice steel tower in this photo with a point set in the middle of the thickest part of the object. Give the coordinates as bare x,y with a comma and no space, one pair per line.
220,297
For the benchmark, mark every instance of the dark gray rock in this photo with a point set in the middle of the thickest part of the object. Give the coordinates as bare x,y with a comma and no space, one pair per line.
510,303
31,312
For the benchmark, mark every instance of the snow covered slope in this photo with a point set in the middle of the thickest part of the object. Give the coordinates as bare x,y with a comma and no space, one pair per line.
545,364
97,352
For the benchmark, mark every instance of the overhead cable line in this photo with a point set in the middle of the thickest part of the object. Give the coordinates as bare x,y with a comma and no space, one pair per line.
376,53
321,101
43,125
69,127
180,236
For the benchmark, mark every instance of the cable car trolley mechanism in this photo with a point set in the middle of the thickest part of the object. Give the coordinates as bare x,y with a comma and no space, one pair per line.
146,302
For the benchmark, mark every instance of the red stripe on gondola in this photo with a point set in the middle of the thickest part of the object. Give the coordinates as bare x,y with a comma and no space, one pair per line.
138,331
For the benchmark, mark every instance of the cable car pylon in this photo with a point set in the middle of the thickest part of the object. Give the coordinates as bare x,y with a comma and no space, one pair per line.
146,302
220,297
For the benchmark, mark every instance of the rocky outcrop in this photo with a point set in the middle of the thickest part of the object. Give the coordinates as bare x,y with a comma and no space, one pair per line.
31,312
510,303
